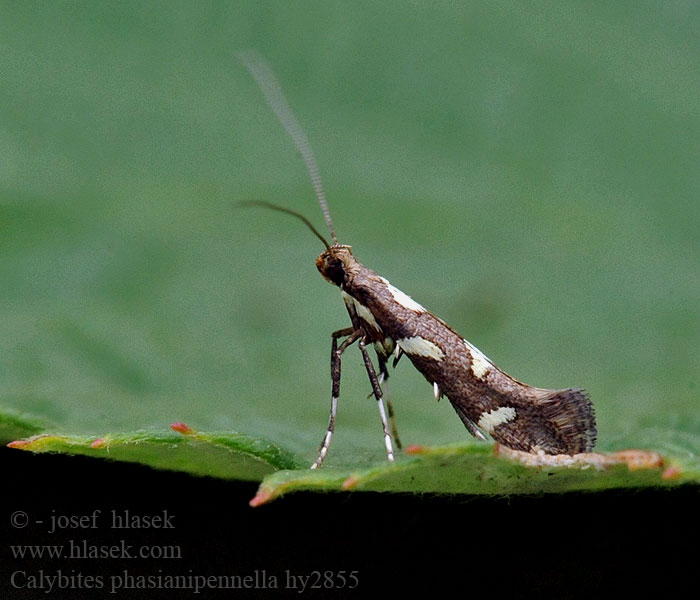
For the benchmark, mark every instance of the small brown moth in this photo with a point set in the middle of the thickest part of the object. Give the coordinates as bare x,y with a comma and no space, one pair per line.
489,401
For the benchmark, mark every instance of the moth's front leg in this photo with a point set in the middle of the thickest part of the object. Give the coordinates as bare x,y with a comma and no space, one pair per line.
376,388
336,353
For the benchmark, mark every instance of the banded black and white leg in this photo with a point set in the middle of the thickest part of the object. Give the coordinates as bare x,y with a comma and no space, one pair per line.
384,380
336,353
377,389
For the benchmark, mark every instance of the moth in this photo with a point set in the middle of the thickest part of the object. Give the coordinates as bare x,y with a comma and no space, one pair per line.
488,401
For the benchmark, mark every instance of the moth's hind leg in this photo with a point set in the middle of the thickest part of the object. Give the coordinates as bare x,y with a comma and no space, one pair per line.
392,419
376,388
336,353
384,380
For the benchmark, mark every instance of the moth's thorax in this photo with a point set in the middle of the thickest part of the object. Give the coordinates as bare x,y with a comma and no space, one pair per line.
338,265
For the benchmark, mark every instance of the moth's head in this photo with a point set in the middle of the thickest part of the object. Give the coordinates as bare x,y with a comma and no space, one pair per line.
335,264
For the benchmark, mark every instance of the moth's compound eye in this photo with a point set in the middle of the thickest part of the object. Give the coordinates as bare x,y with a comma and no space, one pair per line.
335,271
332,268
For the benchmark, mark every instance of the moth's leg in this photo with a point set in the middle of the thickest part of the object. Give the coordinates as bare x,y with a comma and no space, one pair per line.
468,423
376,388
392,418
384,380
336,352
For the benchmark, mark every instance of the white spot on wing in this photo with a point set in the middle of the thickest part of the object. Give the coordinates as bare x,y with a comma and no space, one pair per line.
403,299
418,346
436,391
480,364
362,311
492,419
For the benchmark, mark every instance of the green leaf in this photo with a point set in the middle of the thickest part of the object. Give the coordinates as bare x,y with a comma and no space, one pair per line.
225,455
476,470
473,468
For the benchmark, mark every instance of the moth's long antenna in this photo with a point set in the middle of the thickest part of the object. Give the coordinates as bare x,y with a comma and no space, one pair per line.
271,89
289,212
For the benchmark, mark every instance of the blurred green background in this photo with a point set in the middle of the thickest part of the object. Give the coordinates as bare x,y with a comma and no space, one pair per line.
528,172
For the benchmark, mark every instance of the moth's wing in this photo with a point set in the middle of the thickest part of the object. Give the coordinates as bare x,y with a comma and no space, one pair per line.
551,421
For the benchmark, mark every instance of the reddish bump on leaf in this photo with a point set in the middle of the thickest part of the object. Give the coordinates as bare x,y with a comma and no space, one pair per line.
350,482
98,443
19,444
672,472
639,459
262,497
414,449
182,428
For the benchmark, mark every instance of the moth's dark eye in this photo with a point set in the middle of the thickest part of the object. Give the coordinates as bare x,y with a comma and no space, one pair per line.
335,272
